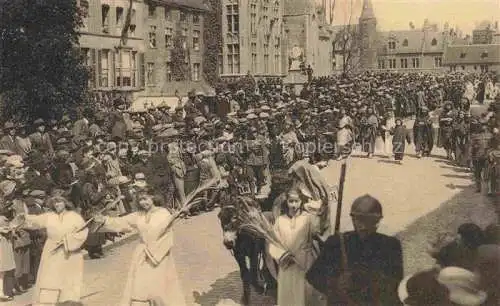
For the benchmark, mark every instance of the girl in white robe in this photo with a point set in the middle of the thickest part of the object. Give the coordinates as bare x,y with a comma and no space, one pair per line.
295,230
60,273
152,277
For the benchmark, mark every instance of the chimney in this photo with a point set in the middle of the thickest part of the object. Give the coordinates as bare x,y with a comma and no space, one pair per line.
496,25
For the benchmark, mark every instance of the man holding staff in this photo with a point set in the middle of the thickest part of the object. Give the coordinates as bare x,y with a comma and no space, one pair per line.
361,267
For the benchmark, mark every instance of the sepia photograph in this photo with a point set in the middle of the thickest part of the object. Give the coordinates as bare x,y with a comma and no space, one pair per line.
249,153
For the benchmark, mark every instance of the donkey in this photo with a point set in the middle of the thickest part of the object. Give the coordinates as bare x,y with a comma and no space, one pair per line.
244,247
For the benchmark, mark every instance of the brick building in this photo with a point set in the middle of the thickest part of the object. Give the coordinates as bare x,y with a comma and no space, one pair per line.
473,58
251,34
305,29
115,65
416,49
163,21
138,68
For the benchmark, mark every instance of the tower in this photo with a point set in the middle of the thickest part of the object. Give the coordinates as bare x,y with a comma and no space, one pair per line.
368,37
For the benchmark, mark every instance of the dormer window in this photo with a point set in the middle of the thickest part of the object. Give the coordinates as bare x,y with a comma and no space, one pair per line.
463,54
434,42
405,43
484,54
392,45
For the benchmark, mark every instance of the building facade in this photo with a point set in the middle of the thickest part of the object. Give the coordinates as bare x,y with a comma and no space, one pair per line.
420,49
252,38
115,65
139,67
173,26
307,37
473,58
416,49
485,33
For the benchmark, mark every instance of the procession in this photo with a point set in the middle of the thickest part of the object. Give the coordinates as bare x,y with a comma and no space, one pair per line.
360,184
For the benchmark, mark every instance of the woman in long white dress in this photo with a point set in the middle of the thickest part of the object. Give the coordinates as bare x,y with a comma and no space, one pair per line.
295,230
60,273
152,277
7,261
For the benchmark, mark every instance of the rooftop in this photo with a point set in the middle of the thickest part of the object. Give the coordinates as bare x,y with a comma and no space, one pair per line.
472,54
413,41
190,4
367,10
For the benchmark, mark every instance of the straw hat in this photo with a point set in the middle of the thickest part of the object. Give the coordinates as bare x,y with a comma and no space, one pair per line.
15,161
119,180
463,286
422,288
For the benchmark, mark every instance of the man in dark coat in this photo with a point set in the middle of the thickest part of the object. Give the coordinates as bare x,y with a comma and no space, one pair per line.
40,139
423,134
361,267
8,141
92,200
480,139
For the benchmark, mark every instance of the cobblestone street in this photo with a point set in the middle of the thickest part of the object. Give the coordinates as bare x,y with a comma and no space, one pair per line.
420,198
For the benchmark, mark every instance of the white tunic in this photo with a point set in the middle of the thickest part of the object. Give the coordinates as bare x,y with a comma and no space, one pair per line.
152,276
60,272
296,235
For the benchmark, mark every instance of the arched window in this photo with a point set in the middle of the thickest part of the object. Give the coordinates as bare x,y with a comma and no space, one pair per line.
405,43
434,42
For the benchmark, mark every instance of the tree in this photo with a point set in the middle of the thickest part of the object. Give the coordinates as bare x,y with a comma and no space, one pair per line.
41,68
180,71
347,43
212,36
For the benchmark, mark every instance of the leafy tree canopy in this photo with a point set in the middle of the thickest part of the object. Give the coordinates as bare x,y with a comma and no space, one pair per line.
41,69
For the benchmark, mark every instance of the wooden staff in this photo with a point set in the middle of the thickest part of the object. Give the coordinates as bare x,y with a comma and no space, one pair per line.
340,196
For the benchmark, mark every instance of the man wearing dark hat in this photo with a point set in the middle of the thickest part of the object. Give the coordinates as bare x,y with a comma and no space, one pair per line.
91,201
361,267
8,141
81,126
37,175
423,134
40,139
35,204
23,141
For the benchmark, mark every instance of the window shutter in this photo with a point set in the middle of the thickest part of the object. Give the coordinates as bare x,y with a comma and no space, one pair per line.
115,68
99,68
142,71
93,70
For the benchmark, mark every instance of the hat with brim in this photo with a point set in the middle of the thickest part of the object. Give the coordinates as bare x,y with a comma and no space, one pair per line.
157,128
62,141
9,126
37,194
140,184
252,116
119,180
264,115
169,133
463,286
14,161
422,286
39,122
199,120
6,152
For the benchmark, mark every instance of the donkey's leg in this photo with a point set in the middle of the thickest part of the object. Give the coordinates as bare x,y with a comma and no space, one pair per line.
240,257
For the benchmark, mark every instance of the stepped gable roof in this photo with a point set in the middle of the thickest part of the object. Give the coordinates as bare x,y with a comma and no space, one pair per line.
472,54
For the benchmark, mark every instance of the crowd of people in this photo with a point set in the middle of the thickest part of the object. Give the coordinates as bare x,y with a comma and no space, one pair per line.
98,163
